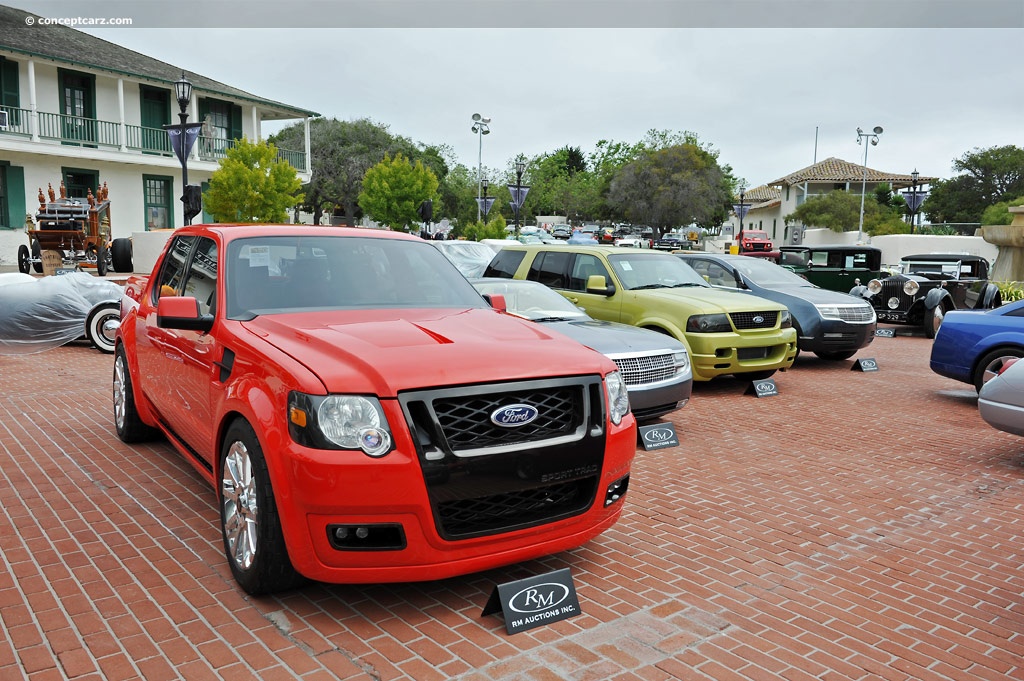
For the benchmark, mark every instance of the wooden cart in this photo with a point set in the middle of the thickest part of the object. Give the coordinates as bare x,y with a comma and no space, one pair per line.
79,231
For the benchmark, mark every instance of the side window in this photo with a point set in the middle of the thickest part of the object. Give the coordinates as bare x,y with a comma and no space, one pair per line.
201,277
819,258
173,268
550,269
719,276
505,264
584,267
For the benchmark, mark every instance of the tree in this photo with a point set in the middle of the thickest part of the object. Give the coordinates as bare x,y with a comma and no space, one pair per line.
840,211
340,154
1000,214
252,185
394,189
988,176
669,187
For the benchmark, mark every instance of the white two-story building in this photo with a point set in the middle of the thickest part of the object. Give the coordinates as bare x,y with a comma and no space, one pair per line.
87,113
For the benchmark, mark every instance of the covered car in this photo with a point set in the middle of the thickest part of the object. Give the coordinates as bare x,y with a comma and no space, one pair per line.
655,366
470,257
39,314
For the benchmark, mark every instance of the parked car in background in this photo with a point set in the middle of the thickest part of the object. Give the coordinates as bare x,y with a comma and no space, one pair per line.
671,241
581,237
837,268
655,367
632,242
1001,400
470,257
929,287
561,231
345,392
830,324
754,241
973,346
725,332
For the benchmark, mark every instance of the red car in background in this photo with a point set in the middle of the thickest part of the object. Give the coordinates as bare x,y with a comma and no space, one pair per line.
340,391
754,241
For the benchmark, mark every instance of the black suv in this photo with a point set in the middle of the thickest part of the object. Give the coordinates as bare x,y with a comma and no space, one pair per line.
928,287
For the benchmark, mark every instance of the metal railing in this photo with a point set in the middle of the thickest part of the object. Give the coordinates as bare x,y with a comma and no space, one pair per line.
90,132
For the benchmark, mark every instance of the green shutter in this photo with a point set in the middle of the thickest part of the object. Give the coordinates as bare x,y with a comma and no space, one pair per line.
204,107
15,197
236,122
9,93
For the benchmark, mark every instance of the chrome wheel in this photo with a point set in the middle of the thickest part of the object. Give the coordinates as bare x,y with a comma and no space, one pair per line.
240,506
120,392
937,315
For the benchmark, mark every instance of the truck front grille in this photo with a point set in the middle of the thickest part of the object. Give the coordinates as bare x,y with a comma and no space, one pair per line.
754,320
640,370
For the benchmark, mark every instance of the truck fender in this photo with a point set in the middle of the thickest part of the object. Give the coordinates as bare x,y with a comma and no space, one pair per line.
935,296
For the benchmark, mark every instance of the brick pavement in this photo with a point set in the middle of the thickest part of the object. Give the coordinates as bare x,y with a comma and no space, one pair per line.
856,526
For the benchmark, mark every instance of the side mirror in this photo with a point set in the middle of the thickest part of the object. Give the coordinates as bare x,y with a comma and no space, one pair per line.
182,312
497,301
596,283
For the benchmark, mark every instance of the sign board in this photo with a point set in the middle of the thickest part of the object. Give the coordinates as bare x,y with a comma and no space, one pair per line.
763,388
866,364
885,333
658,436
52,260
64,270
531,602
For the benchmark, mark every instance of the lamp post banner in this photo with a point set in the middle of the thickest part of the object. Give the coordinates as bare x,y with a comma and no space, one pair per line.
741,209
182,144
485,204
518,194
914,200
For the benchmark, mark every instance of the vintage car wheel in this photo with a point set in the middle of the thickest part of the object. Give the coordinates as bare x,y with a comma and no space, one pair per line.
101,260
127,423
250,525
121,255
100,326
933,320
990,365
846,354
23,260
37,255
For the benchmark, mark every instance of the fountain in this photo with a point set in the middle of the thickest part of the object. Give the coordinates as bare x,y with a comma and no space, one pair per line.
1009,239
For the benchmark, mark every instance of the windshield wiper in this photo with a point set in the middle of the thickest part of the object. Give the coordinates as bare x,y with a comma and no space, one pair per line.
684,284
647,286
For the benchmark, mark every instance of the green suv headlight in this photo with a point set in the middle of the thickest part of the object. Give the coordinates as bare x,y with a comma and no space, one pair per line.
339,422
618,397
786,320
708,323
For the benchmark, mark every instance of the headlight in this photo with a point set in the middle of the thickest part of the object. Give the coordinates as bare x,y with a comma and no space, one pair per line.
911,287
874,286
682,360
787,320
339,422
828,311
708,323
618,397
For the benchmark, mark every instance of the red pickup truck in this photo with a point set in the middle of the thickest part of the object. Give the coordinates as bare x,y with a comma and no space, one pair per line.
360,409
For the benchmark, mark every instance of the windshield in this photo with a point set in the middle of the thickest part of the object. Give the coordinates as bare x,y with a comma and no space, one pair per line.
649,270
530,300
767,274
275,274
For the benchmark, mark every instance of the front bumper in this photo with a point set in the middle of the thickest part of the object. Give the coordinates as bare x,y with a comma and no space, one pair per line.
719,354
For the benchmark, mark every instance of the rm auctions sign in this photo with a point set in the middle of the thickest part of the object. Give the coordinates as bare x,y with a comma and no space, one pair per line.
534,601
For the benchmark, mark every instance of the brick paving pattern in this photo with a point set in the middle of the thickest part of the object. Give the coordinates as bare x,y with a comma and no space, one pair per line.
859,525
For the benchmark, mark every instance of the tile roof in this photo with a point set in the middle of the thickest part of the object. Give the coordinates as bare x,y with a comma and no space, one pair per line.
760,194
837,170
70,46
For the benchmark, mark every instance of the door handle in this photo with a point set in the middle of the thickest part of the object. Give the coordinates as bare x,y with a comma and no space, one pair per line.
574,300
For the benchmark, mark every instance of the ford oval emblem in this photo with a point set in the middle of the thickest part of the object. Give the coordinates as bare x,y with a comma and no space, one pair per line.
758,319
514,415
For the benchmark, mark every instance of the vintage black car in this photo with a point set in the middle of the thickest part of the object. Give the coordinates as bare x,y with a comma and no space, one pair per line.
835,267
928,287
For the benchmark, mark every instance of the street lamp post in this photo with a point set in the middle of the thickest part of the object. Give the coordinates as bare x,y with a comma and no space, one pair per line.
913,198
481,126
873,138
182,137
518,200
743,190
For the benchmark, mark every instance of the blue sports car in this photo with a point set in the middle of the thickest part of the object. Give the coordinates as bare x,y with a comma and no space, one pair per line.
971,345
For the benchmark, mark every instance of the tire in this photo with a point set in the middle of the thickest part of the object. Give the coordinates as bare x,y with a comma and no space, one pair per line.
933,320
127,423
96,326
101,260
757,375
121,255
990,365
23,260
37,255
836,356
250,524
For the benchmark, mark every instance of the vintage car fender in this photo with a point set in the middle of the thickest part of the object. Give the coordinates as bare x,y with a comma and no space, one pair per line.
991,297
936,296
860,291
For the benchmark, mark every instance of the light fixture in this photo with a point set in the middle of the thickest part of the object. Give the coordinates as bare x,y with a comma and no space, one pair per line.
481,127
873,138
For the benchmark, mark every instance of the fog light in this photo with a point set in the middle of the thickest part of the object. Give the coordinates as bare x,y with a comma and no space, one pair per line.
367,537
616,491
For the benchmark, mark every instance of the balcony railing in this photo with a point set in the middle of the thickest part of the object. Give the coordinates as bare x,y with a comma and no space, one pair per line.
137,139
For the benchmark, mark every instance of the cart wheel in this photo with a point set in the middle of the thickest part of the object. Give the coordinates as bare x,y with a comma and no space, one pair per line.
101,260
37,257
23,259
121,255
101,326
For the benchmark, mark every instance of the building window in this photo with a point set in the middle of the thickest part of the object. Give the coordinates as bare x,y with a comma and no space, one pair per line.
156,196
222,123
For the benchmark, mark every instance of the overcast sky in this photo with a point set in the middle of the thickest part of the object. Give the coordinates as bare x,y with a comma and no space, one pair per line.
770,100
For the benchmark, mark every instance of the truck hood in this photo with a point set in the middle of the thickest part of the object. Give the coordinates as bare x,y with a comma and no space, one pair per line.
383,352
709,300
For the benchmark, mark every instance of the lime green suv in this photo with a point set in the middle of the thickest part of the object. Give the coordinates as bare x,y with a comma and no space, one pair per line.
726,332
